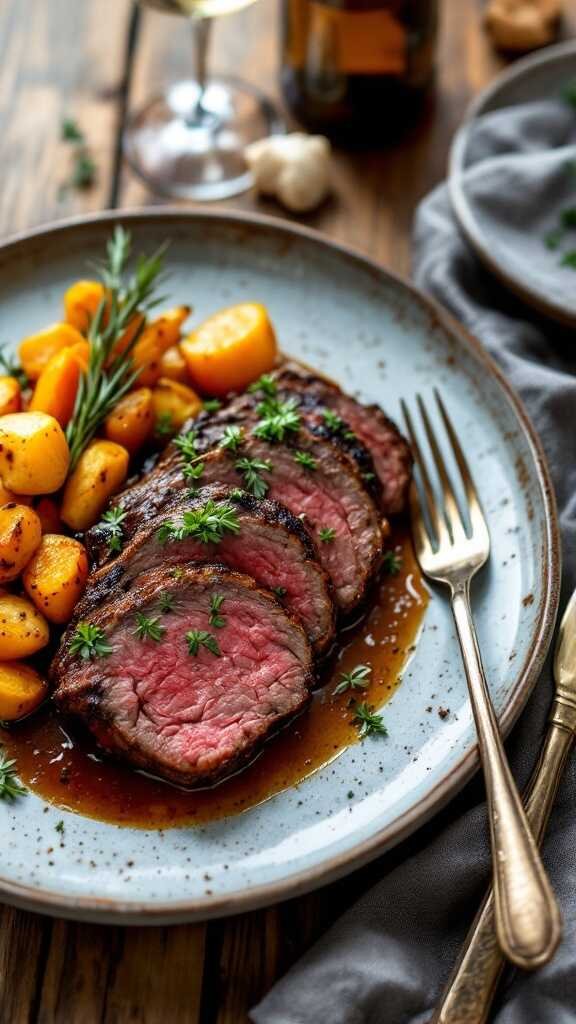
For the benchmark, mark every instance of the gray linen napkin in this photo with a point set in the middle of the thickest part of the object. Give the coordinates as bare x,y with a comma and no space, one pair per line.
385,960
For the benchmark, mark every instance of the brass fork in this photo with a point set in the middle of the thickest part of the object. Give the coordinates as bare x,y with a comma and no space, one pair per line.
528,922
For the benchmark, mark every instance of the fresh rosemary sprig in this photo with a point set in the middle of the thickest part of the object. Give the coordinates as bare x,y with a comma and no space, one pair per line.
326,534
306,460
89,641
252,470
197,638
111,524
216,619
277,419
148,627
367,721
11,368
357,679
109,377
207,524
232,438
10,788
392,563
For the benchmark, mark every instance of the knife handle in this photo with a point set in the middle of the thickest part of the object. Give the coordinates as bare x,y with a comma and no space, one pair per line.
469,992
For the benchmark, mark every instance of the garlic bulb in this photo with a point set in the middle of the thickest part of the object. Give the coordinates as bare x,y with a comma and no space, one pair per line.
522,24
293,168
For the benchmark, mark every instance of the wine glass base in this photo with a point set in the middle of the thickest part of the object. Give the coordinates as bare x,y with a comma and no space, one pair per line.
199,157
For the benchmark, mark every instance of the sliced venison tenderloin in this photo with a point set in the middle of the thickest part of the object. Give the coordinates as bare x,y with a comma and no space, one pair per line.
266,541
190,711
331,500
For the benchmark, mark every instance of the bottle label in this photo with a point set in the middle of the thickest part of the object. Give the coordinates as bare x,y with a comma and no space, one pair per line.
360,42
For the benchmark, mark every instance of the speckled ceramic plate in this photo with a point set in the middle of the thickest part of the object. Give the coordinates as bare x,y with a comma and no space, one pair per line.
377,336
539,76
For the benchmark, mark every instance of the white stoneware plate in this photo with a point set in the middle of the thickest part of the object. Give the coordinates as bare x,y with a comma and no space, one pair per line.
375,335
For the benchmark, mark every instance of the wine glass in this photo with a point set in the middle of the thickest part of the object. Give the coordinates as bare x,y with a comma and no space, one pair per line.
189,142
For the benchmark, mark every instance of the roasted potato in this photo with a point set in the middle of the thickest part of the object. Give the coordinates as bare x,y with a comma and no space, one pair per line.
173,366
155,339
10,395
55,576
174,403
231,349
20,535
23,630
36,351
131,422
100,471
34,455
81,302
21,690
55,391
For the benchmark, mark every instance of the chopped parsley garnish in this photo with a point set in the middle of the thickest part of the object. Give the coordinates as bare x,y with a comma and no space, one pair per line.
216,620
111,524
164,426
326,534
265,384
166,602
197,638
305,459
207,524
10,788
337,424
357,679
277,419
186,445
89,641
193,471
367,721
212,404
252,470
232,438
148,627
392,563
279,591
59,827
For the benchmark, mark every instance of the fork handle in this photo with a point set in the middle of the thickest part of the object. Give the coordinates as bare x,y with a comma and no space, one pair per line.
527,917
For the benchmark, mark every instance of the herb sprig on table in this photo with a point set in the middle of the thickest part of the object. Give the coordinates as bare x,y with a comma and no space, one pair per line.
110,376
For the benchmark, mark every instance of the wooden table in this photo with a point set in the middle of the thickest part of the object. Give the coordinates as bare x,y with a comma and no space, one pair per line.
94,59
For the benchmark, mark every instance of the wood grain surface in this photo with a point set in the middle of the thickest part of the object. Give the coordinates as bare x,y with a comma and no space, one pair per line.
94,60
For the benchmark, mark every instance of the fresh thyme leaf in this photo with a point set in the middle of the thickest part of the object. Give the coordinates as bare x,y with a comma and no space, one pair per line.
326,534
186,445
108,378
216,620
305,459
10,788
111,523
277,419
89,641
332,420
212,404
70,131
59,827
236,494
392,563
367,722
148,627
12,368
232,438
207,524
357,679
178,572
251,470
164,426
265,384
368,477
279,591
83,170
197,638
166,603
193,471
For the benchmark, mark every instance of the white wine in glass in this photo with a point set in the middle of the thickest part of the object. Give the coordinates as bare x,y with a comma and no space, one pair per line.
190,141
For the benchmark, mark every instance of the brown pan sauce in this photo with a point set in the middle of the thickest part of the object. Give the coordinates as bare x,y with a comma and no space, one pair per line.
65,767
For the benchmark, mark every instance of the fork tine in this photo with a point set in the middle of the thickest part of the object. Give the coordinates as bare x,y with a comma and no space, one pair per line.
422,541
451,510
474,508
438,525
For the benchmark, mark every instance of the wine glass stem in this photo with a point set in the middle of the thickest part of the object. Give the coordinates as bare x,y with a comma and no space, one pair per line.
201,28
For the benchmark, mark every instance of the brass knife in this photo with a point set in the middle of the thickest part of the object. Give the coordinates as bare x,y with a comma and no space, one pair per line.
469,992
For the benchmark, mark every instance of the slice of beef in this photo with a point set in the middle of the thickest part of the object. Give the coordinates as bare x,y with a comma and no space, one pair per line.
331,497
270,545
187,712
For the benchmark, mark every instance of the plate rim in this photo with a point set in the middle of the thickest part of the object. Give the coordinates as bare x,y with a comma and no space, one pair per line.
111,910
463,212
